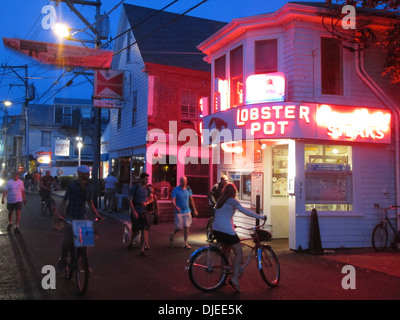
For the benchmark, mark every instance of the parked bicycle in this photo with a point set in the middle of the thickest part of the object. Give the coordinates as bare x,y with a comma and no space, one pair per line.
209,268
380,235
77,258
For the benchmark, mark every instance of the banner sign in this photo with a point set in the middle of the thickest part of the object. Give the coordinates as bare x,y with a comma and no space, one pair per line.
62,54
62,147
299,120
109,84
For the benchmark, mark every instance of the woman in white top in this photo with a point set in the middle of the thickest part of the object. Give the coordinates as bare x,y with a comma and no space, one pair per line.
224,230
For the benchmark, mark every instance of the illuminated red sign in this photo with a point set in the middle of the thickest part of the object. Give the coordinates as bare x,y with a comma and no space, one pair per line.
308,121
265,88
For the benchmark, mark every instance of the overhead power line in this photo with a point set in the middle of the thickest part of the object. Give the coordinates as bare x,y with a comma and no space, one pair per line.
139,23
162,26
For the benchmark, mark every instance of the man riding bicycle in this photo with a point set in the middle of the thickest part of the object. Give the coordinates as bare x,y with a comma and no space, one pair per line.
46,184
79,193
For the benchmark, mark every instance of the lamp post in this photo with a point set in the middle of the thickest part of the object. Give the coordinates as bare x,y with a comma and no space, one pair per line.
79,145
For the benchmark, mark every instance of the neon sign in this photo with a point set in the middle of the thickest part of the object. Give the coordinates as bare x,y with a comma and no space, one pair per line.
354,123
282,114
306,121
265,88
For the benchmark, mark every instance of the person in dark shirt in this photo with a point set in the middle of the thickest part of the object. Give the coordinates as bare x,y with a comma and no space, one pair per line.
215,193
78,194
139,199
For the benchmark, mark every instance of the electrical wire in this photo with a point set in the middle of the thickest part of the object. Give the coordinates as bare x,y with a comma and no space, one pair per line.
139,23
159,28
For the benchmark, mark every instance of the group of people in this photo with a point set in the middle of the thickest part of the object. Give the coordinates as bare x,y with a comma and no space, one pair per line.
222,198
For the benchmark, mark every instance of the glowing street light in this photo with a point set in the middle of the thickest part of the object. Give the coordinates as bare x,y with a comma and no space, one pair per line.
80,146
7,103
61,30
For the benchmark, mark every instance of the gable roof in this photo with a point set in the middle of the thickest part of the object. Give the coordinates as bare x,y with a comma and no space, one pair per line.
172,43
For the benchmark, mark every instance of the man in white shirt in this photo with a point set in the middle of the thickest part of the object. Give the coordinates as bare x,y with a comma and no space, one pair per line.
109,185
15,192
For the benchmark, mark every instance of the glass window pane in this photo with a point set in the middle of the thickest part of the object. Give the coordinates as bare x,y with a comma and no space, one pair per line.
266,56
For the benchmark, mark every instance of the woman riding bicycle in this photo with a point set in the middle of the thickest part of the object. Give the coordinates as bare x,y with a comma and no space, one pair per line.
224,230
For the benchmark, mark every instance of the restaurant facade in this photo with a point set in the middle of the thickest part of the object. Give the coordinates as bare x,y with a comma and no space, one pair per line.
301,120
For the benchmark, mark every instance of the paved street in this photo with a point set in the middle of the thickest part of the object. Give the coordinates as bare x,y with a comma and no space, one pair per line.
122,275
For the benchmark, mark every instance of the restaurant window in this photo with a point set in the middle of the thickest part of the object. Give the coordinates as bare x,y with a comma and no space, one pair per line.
279,170
198,177
236,80
164,176
331,66
329,177
189,105
266,56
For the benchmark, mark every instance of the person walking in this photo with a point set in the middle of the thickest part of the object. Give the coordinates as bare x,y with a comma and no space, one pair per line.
109,185
215,193
139,199
73,207
15,192
153,214
224,230
181,197
36,180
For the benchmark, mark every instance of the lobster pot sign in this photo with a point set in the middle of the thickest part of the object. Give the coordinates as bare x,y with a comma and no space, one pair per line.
83,233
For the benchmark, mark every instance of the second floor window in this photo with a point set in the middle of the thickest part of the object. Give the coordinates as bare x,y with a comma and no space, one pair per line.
189,105
46,139
331,66
236,71
266,56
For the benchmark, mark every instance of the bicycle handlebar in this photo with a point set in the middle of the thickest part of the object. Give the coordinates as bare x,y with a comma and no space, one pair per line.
70,222
378,206
253,228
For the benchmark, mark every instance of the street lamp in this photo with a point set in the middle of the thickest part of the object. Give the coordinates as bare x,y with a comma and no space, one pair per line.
61,30
79,145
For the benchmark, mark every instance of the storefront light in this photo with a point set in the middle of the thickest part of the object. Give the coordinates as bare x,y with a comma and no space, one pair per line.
232,147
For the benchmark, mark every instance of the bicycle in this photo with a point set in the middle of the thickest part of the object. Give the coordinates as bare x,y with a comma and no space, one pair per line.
380,233
47,206
209,267
77,259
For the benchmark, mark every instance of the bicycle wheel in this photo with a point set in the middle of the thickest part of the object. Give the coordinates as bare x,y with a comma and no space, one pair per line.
43,207
82,270
68,269
380,237
268,265
208,268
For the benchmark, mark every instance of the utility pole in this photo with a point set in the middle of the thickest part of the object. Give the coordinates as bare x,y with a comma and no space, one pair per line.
28,97
97,111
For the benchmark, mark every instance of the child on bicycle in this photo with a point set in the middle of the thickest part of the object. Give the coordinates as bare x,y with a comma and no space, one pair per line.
224,230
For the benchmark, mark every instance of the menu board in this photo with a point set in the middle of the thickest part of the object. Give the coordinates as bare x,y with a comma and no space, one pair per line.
257,179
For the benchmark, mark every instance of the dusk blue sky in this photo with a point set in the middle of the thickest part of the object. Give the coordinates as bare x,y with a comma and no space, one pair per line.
23,19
